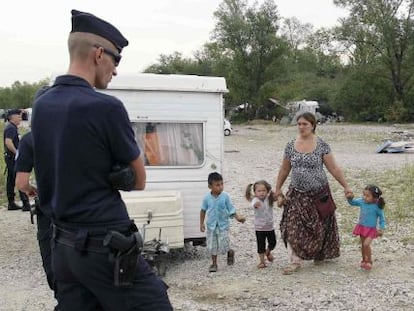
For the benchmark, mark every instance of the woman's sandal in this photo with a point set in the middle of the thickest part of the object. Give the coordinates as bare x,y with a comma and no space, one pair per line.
291,269
261,265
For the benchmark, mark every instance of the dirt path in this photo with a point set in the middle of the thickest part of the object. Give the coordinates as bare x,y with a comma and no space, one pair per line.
254,152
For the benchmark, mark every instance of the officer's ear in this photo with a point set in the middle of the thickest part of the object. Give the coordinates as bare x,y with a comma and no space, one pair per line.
98,54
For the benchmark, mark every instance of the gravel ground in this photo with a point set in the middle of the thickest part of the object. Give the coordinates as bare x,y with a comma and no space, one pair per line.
254,152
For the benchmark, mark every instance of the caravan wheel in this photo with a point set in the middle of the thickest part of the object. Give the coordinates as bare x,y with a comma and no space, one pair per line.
161,265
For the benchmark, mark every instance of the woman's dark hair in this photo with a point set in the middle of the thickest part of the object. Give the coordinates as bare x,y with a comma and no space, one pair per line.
249,188
376,193
310,117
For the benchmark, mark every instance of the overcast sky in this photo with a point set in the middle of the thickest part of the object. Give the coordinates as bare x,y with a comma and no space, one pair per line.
33,34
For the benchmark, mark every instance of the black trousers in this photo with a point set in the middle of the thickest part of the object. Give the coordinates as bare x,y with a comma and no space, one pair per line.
261,237
11,180
85,281
44,236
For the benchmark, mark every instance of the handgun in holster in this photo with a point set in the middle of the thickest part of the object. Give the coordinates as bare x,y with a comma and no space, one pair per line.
125,256
34,209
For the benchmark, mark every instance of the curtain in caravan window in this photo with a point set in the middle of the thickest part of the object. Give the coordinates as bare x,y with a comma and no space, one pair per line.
170,144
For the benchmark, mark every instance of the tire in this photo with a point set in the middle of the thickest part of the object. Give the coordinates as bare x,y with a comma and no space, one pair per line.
161,266
227,132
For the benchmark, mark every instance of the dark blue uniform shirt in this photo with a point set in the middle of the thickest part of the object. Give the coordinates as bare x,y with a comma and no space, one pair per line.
24,156
79,134
10,131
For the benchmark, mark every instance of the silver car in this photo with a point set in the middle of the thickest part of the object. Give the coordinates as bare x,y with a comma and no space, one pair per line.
227,127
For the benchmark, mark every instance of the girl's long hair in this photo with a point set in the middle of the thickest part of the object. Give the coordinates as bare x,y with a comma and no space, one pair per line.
250,189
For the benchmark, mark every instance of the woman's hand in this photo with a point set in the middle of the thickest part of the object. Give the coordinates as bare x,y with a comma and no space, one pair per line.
276,194
279,199
349,194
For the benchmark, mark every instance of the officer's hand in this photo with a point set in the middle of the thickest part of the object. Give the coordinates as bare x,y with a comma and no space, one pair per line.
32,191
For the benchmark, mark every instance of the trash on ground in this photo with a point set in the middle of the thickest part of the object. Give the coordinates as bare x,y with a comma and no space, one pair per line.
396,147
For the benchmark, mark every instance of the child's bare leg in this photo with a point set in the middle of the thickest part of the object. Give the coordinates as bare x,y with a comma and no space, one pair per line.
367,247
214,259
363,249
262,263
269,255
213,267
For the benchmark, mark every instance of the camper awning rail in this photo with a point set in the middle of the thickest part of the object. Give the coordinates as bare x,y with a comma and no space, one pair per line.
176,83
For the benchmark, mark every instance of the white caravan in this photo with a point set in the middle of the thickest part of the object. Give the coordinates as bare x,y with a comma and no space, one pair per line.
178,124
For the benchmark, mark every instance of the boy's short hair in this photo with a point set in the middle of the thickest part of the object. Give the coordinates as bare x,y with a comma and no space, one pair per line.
212,177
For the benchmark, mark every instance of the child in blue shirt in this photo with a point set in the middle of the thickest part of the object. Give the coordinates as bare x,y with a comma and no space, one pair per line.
219,209
371,214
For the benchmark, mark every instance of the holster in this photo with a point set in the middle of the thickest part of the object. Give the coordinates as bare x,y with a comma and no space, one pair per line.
125,251
34,210
8,155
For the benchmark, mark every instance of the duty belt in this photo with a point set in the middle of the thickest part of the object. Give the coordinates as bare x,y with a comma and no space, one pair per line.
79,240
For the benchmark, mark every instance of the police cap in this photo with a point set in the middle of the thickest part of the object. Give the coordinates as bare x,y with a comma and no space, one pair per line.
86,22
13,111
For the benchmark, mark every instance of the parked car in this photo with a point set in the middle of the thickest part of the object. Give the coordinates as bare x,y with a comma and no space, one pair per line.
227,127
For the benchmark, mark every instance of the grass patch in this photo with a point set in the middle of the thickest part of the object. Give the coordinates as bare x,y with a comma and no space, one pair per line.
397,186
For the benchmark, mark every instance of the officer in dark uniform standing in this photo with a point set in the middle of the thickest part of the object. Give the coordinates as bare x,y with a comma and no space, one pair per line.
79,135
24,167
11,143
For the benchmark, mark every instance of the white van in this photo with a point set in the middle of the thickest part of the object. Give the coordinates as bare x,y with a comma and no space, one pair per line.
178,124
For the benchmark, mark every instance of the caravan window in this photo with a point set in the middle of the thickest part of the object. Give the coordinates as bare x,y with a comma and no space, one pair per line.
170,144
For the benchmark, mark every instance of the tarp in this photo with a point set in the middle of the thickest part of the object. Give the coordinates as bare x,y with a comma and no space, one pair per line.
395,147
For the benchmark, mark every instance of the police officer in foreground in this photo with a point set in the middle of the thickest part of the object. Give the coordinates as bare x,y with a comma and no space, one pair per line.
79,135
11,143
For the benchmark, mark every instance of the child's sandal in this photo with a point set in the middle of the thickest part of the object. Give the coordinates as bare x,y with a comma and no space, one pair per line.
367,266
261,265
212,268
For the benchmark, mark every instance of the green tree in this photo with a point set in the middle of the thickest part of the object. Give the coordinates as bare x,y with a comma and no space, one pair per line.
174,63
20,94
380,33
247,36
364,98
